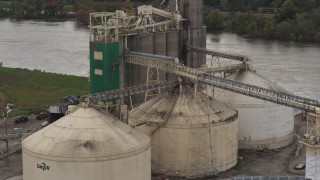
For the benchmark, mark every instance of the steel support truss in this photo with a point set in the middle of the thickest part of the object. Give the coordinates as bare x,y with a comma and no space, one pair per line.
169,65
95,98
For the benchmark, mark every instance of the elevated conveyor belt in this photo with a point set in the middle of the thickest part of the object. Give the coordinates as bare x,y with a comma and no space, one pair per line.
231,56
95,98
167,64
224,68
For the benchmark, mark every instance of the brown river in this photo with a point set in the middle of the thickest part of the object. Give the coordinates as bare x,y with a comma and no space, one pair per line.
62,47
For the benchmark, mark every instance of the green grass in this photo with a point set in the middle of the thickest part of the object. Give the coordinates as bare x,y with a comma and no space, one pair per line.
68,8
5,4
33,91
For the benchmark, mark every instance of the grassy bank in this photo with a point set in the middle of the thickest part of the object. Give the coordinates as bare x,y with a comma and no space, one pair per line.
33,91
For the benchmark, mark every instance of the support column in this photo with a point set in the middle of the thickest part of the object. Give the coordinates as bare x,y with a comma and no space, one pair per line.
312,141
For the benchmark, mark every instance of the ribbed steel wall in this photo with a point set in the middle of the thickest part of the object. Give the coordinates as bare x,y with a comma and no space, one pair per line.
193,11
160,48
160,43
173,43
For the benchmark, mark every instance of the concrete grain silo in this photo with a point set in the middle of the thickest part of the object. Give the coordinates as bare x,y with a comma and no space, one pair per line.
191,137
135,74
261,124
193,10
160,43
86,144
173,43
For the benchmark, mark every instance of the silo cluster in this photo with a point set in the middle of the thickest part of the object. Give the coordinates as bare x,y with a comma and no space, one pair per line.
171,43
182,132
160,43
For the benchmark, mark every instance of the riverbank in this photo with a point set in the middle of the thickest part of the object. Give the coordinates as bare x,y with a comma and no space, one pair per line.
264,26
32,91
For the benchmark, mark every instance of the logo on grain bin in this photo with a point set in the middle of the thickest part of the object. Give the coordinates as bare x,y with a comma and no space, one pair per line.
43,166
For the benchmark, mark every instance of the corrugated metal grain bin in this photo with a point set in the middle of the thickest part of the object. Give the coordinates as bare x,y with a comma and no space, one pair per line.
193,137
86,144
261,124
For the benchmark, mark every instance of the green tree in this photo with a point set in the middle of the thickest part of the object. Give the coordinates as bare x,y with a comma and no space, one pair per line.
269,29
214,20
252,28
317,37
254,4
288,10
53,9
233,5
32,8
212,3
305,29
283,30
277,3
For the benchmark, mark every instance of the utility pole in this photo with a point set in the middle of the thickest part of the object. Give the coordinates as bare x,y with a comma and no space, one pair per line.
6,140
8,110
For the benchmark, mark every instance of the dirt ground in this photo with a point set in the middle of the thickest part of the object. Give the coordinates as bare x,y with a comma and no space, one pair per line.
14,168
250,163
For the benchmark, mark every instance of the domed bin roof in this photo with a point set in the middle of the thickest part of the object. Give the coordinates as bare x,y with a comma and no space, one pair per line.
247,77
181,109
86,135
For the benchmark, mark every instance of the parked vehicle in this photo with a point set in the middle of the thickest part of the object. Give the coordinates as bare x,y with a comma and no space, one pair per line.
44,124
21,119
59,109
42,116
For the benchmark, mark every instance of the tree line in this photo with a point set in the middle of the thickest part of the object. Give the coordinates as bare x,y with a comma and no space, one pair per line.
41,9
295,20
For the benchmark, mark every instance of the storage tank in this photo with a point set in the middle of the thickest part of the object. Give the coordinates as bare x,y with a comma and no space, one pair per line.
160,43
132,70
190,137
86,144
160,48
313,162
137,74
173,43
261,124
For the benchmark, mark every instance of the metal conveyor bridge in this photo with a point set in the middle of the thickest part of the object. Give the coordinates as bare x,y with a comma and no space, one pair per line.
169,64
231,56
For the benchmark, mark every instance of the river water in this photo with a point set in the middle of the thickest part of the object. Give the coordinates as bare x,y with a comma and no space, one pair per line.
62,47
59,47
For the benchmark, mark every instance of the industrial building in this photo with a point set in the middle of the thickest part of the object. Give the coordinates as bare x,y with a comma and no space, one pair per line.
152,64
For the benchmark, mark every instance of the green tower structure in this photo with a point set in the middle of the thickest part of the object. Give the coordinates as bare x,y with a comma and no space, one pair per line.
104,67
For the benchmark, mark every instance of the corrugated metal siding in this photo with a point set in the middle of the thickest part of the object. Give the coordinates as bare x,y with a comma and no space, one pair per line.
109,66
